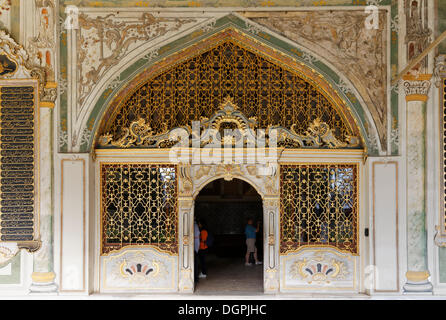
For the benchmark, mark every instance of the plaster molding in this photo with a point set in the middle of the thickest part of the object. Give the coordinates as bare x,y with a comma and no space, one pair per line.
105,38
122,49
349,46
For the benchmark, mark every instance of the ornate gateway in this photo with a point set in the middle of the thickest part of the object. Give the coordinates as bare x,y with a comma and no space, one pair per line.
227,96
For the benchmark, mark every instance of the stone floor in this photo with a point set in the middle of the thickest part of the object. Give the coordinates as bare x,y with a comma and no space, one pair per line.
230,276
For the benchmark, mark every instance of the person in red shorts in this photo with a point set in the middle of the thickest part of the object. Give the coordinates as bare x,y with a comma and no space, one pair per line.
203,248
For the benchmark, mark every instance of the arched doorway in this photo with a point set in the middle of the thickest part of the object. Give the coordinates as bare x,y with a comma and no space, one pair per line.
225,207
312,142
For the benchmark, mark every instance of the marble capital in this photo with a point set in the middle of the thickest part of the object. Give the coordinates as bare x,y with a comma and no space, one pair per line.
416,88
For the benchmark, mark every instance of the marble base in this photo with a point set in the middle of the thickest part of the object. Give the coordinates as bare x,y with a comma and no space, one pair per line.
43,283
43,288
424,287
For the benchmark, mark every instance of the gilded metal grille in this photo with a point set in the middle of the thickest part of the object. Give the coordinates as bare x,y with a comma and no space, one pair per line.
198,86
319,206
139,206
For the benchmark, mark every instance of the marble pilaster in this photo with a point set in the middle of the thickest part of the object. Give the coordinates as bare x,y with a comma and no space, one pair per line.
43,275
417,276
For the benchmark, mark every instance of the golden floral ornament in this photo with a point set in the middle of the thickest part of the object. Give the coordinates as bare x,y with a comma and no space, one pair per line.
202,172
271,240
139,134
318,135
228,171
319,269
228,118
141,270
5,5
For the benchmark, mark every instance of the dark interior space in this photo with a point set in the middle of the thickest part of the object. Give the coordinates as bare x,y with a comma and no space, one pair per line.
226,206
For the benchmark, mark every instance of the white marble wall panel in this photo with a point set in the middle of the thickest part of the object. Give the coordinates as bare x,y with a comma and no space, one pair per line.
385,226
318,269
139,270
73,225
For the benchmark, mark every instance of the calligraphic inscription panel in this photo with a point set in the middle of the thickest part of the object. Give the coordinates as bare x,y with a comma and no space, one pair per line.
319,206
17,163
139,206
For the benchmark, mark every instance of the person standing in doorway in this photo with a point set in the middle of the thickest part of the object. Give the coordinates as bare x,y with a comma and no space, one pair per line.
196,248
250,232
203,248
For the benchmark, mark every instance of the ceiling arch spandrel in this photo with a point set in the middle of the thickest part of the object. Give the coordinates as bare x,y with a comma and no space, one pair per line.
106,38
359,53
197,86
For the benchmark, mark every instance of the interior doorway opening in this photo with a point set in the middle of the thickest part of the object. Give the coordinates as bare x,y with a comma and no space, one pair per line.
225,207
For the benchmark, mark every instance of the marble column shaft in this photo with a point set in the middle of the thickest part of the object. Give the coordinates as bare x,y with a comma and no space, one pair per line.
43,275
416,90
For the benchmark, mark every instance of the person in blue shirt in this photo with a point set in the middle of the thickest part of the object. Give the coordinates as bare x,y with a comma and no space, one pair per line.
250,232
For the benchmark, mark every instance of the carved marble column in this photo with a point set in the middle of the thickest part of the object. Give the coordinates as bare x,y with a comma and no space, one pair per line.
186,231
416,91
271,247
186,250
43,275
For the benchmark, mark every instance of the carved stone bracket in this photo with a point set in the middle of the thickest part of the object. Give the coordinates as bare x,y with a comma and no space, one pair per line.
440,238
272,280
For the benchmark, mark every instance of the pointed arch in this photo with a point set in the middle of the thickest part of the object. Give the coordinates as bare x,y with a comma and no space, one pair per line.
264,43
264,83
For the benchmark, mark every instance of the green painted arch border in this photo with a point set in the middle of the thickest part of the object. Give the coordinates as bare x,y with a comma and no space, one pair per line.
330,76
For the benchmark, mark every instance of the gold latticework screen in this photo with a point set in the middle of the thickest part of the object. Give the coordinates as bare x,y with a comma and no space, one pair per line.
198,86
139,206
319,206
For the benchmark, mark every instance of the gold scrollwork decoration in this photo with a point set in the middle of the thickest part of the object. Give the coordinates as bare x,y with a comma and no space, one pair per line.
213,130
140,134
318,135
